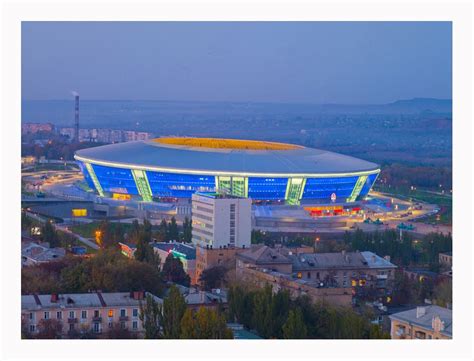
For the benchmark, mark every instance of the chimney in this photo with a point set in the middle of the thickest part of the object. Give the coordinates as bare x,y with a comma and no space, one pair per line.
387,258
54,297
420,311
137,295
374,258
76,118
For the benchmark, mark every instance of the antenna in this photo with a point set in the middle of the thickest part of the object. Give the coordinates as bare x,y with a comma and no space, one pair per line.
76,117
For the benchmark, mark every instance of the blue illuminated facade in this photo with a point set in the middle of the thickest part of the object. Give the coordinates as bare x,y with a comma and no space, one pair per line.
368,185
267,188
179,185
323,188
175,185
115,180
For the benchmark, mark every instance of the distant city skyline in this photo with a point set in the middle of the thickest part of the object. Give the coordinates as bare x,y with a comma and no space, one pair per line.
276,62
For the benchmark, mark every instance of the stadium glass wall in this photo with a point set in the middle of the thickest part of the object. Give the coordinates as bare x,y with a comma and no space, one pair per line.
150,184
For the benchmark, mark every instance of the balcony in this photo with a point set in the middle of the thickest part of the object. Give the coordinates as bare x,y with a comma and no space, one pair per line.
72,320
97,319
382,277
123,318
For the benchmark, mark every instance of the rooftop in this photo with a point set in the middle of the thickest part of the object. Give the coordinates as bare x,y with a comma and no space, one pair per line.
337,260
161,157
177,248
425,317
74,300
261,254
223,143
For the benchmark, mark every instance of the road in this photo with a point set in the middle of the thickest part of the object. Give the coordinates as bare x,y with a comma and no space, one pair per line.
84,240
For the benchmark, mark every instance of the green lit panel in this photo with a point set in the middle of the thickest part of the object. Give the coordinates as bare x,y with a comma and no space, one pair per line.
357,188
238,186
143,186
94,179
224,185
294,190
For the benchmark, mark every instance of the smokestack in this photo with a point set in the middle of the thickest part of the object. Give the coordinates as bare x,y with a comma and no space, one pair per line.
76,117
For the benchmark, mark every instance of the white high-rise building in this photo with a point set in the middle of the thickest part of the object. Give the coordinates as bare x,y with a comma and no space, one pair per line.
221,220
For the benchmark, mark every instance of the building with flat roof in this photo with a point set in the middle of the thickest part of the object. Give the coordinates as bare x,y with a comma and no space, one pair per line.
84,312
33,253
423,322
221,220
177,167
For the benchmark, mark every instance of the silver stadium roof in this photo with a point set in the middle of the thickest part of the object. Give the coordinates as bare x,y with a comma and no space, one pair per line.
151,155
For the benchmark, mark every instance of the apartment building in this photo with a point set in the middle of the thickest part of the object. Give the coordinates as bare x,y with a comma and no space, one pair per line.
221,220
423,322
84,312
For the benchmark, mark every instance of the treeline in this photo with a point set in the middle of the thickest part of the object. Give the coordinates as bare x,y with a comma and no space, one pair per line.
269,240
407,251
402,176
277,316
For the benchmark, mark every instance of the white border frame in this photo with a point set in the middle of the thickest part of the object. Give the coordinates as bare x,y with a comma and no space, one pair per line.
460,12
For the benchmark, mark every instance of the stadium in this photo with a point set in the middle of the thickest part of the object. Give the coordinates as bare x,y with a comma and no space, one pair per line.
170,168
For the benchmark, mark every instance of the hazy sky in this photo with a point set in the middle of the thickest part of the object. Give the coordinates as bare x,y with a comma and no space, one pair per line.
310,62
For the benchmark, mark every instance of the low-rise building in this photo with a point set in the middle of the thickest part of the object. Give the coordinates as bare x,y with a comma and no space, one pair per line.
84,312
33,253
424,322
195,298
347,273
208,257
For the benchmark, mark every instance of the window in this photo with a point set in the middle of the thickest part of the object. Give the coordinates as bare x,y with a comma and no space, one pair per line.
123,312
135,312
84,315
32,316
317,275
309,274
96,327
71,327
71,314
111,313
46,315
135,325
111,325
32,328
96,313
122,325
59,315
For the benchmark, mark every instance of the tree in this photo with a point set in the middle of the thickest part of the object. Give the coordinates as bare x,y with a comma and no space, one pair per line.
213,277
150,314
204,324
188,325
173,233
294,327
49,234
173,271
174,307
443,293
49,329
187,230
145,252
163,231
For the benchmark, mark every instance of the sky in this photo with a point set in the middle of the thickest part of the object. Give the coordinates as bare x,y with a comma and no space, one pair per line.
278,62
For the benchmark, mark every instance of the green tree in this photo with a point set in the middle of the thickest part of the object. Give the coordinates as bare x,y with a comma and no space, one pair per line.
188,326
187,230
443,293
174,307
294,327
150,314
173,271
162,235
49,329
213,277
173,232
204,324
